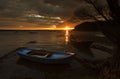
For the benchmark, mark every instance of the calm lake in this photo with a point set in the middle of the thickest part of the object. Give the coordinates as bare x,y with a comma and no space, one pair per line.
49,40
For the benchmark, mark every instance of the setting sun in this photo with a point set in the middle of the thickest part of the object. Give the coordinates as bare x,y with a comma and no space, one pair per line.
68,28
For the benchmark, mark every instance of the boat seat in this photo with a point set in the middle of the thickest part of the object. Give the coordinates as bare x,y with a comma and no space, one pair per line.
41,55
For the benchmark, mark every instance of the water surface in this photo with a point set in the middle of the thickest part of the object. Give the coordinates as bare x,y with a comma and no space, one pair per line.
49,40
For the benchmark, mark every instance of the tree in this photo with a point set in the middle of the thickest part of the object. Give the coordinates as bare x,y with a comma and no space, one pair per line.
115,9
111,69
111,29
95,9
99,9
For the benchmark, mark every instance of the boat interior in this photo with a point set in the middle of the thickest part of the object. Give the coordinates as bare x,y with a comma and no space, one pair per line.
40,54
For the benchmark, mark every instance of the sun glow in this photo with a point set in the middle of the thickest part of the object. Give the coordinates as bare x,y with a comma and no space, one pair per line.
52,27
68,28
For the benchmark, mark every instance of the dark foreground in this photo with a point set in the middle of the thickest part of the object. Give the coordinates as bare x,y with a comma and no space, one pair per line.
13,67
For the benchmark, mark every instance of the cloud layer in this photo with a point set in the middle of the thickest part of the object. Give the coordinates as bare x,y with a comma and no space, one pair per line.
48,8
11,8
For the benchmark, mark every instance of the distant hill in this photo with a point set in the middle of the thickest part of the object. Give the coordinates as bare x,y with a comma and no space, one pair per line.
89,26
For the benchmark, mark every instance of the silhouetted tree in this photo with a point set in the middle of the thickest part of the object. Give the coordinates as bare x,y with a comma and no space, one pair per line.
111,69
99,10
114,6
112,31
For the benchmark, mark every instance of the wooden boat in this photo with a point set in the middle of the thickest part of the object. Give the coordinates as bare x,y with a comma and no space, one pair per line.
44,56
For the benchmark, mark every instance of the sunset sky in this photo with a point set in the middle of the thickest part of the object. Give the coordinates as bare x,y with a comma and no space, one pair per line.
40,13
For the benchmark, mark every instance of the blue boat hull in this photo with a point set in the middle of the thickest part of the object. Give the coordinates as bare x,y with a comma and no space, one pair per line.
56,58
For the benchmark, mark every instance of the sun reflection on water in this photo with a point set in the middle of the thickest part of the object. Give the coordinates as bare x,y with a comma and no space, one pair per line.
66,36
67,29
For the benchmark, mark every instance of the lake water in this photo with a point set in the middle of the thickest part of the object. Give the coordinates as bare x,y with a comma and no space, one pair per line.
48,40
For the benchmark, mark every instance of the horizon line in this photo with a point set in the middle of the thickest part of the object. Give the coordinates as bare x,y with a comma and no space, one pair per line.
36,29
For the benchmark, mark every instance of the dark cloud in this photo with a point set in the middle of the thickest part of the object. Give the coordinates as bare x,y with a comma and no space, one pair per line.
43,7
78,8
63,3
66,10
50,8
62,8
11,8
